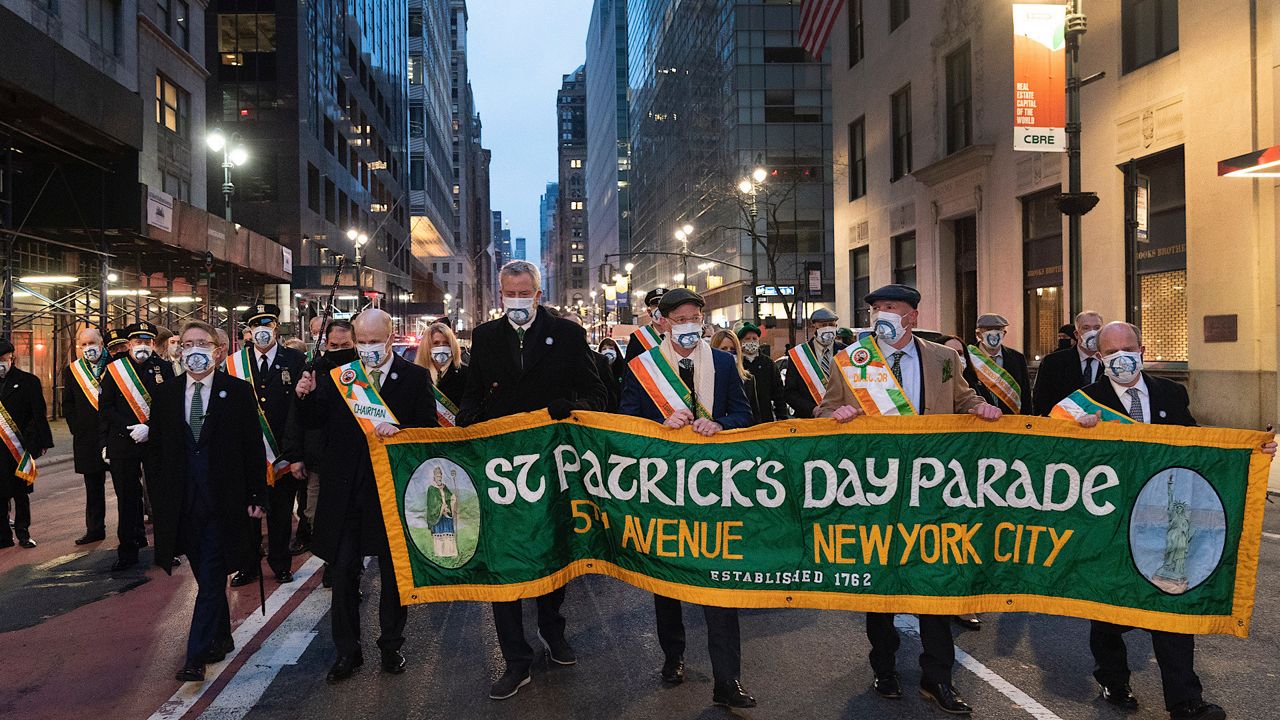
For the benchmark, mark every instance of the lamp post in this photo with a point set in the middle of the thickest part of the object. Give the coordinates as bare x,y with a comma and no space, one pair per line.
1075,202
684,234
234,154
750,187
359,239
631,309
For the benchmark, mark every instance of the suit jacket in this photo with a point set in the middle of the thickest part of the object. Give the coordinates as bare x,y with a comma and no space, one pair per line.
729,407
115,415
23,398
943,390
231,437
82,420
1015,363
453,383
348,493
275,389
1059,376
1170,404
794,389
556,364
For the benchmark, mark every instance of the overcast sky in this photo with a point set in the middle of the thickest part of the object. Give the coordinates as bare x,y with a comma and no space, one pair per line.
517,51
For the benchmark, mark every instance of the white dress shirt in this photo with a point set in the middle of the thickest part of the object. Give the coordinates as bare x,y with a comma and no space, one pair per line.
1097,367
270,355
910,366
204,394
1144,396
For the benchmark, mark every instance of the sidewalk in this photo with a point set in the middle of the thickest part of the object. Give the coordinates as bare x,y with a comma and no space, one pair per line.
61,451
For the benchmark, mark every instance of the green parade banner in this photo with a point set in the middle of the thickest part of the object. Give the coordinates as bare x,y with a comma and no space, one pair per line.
1145,525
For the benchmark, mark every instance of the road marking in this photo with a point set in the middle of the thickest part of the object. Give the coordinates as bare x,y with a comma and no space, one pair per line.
910,625
1273,536
60,560
191,693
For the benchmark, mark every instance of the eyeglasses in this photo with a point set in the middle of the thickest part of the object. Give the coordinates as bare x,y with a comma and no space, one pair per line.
686,320
207,344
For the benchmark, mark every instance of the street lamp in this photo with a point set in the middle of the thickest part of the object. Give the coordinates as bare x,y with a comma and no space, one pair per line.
359,239
750,187
684,234
234,154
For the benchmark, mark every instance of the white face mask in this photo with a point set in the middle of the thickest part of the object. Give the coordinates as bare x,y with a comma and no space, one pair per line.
1123,367
91,353
993,338
141,353
372,354
197,359
751,348
1089,341
611,355
4,368
964,361
888,326
686,335
826,335
519,310
442,354
264,336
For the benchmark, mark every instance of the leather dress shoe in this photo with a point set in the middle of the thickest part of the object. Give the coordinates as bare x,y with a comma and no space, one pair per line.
732,694
888,687
344,667
284,577
1197,710
123,564
26,542
1121,696
243,578
219,651
944,695
176,562
509,684
968,622
393,661
673,670
559,650
190,673
88,538
298,546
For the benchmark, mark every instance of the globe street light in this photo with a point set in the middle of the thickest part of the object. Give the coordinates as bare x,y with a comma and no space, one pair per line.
234,154
750,188
359,239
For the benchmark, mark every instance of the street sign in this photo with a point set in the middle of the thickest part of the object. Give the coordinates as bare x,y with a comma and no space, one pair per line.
748,300
775,291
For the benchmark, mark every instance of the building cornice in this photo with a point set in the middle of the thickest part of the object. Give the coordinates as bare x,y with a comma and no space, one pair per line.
955,164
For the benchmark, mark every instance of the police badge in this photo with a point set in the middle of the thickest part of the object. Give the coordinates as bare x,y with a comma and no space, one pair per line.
284,377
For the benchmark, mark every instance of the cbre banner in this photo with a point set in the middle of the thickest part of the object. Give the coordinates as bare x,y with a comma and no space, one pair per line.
1152,526
1039,78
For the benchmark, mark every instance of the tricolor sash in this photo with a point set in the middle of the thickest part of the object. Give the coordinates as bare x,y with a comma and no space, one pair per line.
1078,404
663,384
806,364
996,379
446,411
135,393
871,380
649,338
26,469
82,371
362,397
240,366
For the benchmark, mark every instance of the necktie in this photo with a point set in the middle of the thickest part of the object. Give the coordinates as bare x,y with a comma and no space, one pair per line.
197,410
520,353
686,374
824,362
377,379
262,367
1088,370
1135,404
897,365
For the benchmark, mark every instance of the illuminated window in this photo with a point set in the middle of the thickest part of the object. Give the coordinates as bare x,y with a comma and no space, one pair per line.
171,106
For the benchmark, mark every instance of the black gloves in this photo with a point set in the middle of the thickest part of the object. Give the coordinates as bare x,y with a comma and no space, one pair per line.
560,409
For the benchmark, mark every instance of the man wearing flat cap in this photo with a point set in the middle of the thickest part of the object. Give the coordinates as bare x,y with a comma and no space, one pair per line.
996,372
124,407
809,363
768,385
27,436
897,373
647,337
272,369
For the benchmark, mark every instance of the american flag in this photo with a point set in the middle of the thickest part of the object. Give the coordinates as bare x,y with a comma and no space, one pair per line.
817,18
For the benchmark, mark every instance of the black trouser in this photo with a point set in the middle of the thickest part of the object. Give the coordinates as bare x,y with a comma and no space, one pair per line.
279,528
935,636
126,479
724,641
1175,654
95,507
345,609
509,622
13,488
211,617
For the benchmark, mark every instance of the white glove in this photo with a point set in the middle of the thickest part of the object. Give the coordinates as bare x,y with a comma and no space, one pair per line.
104,455
139,432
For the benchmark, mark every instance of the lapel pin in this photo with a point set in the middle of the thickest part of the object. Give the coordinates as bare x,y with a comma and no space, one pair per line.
549,341
1163,414
222,393
395,376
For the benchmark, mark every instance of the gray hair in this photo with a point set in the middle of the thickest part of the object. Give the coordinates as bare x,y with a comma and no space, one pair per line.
1087,313
522,267
96,334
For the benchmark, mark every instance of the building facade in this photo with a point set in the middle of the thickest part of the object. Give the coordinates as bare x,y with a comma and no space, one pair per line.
608,145
933,194
548,209
568,263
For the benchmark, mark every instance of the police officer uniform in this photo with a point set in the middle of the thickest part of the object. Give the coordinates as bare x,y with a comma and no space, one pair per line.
23,400
117,340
